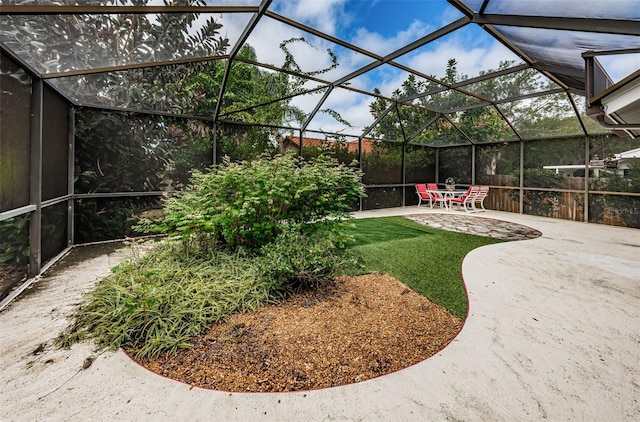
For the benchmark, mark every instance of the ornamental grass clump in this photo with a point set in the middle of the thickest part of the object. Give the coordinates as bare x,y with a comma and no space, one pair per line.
157,302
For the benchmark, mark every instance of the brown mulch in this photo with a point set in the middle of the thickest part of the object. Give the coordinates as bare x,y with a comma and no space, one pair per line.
353,329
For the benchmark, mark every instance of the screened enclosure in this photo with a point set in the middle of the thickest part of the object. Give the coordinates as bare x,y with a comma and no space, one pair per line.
107,106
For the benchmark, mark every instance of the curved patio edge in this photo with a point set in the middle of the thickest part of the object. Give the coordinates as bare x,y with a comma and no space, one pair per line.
551,333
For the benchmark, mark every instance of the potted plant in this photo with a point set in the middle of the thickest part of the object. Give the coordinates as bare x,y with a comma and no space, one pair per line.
450,183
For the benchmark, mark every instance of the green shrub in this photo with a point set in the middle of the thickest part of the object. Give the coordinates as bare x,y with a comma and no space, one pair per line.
247,205
14,240
540,202
300,261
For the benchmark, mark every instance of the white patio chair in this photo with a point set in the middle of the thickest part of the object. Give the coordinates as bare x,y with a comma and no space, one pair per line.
479,199
467,199
436,196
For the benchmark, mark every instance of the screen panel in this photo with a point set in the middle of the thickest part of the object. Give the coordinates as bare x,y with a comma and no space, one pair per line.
381,162
100,219
14,253
55,145
15,130
54,230
455,163
498,165
382,198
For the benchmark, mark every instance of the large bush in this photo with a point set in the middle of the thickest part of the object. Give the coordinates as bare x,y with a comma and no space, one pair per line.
247,205
288,211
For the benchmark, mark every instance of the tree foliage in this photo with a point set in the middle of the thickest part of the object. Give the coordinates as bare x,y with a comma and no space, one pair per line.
58,43
408,124
538,117
257,96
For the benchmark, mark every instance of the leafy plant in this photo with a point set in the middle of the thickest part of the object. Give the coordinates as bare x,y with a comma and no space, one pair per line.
247,205
282,225
624,209
14,240
297,260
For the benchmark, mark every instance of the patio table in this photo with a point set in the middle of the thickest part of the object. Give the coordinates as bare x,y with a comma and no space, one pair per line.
451,194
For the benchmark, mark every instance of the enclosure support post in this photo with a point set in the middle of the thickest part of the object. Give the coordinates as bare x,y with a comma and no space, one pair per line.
35,194
71,176
360,164
586,178
437,165
521,204
214,139
473,164
404,174
404,152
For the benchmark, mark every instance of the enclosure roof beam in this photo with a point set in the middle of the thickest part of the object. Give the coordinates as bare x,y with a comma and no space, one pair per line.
444,84
290,128
467,107
508,121
423,127
458,129
118,10
142,111
485,3
322,35
608,26
439,33
511,46
545,68
531,95
132,66
592,53
322,81
492,75
264,5
266,103
404,135
34,74
471,81
447,29
279,69
575,109
498,36
369,128
316,109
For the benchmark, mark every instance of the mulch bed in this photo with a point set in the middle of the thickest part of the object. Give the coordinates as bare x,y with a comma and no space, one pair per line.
350,330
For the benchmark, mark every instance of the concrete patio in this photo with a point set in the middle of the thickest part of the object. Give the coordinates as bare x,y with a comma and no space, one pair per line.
552,333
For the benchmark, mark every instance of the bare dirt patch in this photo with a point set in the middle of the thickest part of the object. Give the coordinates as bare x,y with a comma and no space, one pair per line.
350,330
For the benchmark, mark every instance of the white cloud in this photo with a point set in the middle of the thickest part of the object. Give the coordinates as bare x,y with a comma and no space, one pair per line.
620,66
325,15
322,15
381,45
351,106
470,61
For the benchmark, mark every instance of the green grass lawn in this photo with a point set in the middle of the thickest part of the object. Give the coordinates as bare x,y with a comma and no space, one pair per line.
426,259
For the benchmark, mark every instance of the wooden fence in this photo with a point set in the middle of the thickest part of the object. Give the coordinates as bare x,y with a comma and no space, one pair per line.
554,204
